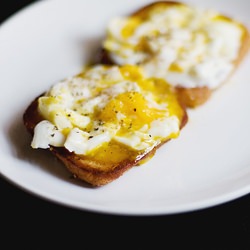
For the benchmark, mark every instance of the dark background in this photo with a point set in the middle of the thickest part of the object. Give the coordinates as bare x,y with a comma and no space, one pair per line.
26,220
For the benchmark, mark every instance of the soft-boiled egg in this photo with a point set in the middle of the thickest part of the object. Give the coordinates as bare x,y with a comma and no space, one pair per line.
108,107
186,46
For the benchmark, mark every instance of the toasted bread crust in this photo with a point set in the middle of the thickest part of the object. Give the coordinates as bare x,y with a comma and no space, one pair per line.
91,171
190,97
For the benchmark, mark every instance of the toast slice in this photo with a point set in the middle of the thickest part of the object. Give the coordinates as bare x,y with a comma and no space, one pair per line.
104,121
195,50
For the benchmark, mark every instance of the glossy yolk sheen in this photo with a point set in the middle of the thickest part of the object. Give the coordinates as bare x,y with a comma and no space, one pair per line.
134,107
136,111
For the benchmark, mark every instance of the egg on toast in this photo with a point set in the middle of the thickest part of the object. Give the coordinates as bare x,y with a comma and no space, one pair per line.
105,120
193,49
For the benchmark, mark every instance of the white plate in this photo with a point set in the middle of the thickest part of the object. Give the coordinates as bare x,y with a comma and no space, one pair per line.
209,164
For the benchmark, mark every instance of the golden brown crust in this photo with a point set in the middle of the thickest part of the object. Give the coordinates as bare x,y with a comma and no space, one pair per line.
190,97
94,172
193,97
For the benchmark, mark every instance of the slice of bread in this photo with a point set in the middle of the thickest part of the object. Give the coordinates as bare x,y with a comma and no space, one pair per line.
195,50
105,120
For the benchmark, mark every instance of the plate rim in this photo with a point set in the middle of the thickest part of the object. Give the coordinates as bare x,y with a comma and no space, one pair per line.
181,209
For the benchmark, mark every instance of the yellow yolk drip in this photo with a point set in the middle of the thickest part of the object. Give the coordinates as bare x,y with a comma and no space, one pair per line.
113,152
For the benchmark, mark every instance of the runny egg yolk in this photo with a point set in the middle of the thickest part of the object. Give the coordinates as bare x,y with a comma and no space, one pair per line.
135,109
108,110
